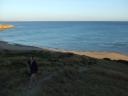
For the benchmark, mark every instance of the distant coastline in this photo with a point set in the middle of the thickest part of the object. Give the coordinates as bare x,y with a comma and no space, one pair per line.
6,26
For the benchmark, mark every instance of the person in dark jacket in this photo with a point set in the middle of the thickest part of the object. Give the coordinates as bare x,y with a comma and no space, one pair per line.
33,69
33,66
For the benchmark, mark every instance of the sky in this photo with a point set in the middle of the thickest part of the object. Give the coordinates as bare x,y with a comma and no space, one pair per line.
63,10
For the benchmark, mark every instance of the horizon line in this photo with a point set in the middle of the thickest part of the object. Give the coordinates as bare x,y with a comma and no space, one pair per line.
63,20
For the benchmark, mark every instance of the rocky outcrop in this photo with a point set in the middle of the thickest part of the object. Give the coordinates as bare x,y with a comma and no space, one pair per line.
6,26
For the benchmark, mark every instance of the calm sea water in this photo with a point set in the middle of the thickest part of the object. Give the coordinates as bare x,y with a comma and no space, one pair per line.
89,36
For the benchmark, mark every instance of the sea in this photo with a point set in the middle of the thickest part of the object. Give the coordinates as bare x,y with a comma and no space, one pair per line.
109,36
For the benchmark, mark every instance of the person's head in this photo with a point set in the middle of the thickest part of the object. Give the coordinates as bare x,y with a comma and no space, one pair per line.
31,58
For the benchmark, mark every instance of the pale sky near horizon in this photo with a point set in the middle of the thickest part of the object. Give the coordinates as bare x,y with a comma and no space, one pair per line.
64,10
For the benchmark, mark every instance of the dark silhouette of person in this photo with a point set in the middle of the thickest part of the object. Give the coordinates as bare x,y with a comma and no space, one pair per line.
33,69
32,66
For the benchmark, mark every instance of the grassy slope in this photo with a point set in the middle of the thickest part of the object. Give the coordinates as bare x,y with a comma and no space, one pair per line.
62,74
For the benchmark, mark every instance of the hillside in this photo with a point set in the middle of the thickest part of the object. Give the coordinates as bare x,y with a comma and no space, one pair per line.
62,74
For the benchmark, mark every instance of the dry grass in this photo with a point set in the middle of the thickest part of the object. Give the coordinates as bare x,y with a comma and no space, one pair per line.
63,74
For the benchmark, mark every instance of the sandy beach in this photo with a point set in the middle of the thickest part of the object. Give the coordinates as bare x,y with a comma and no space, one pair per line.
101,55
94,54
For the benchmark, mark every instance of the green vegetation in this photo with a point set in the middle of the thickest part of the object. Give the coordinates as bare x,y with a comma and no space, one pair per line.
62,74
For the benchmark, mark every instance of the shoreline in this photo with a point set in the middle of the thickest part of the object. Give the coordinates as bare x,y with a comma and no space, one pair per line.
18,47
95,54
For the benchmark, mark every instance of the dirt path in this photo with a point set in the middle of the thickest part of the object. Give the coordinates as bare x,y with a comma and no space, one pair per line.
34,85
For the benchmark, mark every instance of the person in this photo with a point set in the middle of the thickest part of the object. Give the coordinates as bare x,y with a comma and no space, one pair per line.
33,68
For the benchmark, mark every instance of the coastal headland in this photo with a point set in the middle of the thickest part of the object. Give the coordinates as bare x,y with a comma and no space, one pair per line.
6,26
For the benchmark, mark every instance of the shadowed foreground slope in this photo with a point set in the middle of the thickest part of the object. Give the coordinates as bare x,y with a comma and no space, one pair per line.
62,74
